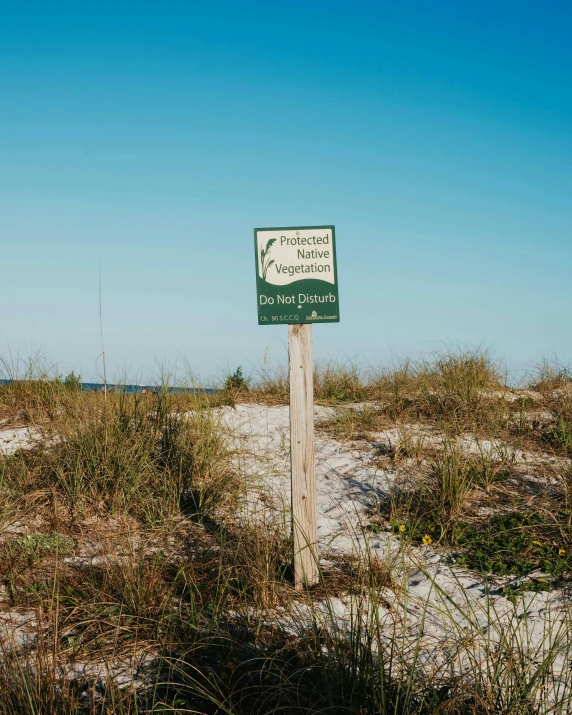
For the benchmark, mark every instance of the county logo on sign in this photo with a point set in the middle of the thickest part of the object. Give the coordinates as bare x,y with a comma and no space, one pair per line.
296,275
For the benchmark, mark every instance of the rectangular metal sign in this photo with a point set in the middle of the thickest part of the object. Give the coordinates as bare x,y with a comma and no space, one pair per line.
296,275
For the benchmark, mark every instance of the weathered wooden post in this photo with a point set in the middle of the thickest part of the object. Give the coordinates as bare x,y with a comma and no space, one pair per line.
297,285
304,516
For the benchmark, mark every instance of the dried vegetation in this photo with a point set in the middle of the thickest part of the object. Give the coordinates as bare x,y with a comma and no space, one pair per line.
128,585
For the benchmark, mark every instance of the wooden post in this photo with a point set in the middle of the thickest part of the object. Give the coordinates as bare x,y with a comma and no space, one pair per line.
304,518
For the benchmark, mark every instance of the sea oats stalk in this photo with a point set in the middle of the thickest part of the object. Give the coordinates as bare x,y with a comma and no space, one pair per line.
265,262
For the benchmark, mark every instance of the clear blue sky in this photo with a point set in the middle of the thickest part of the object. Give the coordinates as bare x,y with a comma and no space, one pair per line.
435,136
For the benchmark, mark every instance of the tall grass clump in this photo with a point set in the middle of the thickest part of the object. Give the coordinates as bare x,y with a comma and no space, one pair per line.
433,506
552,380
38,688
333,383
551,374
395,387
453,479
130,455
36,392
271,386
454,389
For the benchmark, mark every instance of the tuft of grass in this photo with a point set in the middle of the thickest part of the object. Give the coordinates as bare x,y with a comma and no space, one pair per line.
455,391
551,375
454,480
271,386
553,384
130,455
395,388
559,436
334,383
36,391
410,444
460,390
433,507
353,422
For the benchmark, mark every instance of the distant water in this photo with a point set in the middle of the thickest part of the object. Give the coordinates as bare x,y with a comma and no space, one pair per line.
138,389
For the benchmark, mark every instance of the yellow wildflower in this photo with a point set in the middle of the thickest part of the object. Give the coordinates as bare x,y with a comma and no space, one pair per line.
402,528
537,543
562,552
427,539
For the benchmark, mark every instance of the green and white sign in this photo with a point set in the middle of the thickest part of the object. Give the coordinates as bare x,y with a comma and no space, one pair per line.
296,275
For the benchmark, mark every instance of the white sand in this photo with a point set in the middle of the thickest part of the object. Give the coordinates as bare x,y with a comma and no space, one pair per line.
17,438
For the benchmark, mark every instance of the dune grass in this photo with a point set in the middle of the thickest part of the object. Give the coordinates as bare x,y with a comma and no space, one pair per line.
467,449
134,455
196,638
144,591
333,383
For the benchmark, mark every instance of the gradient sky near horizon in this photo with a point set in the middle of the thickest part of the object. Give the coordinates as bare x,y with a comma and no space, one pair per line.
153,137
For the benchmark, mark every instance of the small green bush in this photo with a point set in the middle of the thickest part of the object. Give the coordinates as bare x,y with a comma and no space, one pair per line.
237,381
516,543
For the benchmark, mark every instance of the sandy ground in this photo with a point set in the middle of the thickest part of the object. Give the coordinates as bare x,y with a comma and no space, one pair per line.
17,438
347,483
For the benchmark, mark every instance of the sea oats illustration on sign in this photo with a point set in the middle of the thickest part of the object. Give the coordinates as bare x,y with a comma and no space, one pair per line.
264,261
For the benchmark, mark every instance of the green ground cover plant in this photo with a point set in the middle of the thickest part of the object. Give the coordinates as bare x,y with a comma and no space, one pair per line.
518,542
515,543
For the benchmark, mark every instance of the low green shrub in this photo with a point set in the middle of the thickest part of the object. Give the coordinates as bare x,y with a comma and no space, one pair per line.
517,543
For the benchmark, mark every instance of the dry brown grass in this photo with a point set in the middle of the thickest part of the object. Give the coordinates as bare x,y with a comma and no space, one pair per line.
333,383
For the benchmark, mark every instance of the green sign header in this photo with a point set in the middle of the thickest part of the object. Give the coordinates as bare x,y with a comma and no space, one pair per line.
296,275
